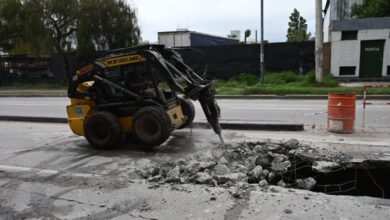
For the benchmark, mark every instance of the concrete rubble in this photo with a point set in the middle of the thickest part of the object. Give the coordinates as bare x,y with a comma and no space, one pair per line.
263,162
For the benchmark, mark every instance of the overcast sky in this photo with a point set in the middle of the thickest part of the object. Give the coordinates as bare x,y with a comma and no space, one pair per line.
219,17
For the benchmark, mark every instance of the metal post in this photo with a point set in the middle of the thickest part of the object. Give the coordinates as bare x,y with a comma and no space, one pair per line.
319,42
364,108
262,68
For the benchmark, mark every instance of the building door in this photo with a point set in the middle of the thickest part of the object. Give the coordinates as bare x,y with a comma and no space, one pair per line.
371,59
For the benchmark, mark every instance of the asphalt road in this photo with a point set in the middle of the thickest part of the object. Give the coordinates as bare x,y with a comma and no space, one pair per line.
312,113
46,172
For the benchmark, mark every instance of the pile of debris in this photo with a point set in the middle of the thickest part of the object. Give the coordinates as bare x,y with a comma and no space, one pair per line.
264,162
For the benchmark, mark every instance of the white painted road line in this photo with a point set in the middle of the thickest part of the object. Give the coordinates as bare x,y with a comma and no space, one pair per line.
43,172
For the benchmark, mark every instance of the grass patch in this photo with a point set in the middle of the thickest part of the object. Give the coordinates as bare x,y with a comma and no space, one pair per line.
286,83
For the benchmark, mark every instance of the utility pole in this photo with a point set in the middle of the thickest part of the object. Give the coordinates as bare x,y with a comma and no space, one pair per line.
262,68
319,42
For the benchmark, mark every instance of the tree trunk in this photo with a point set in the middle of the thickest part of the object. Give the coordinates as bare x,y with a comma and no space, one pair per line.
65,62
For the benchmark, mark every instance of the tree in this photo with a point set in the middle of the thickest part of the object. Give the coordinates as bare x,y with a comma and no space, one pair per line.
11,15
247,34
58,17
371,8
104,25
21,30
297,28
44,26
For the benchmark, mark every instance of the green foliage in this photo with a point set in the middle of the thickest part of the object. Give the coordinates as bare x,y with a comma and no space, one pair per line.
280,83
104,25
11,16
310,80
245,79
297,28
281,78
371,8
40,26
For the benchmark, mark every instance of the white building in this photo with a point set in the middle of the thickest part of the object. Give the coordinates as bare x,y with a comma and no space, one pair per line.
186,38
361,48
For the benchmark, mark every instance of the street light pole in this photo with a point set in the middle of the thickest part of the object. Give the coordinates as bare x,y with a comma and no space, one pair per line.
262,68
319,42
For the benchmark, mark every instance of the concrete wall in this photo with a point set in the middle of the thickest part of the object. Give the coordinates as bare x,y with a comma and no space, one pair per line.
347,52
179,39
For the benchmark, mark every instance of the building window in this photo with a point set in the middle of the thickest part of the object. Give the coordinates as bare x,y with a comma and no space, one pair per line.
347,71
349,35
388,70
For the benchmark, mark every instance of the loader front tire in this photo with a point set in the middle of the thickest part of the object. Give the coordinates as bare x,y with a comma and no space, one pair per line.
152,126
103,130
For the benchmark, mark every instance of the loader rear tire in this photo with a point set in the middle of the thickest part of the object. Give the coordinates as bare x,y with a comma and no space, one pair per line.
103,130
188,110
152,126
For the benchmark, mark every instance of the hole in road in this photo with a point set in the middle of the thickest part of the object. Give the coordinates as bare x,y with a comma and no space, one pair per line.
366,179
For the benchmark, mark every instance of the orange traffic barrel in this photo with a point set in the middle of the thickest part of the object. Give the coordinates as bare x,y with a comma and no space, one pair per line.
341,113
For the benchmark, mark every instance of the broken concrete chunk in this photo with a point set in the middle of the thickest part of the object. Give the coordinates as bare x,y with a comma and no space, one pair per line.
274,147
279,158
201,178
281,183
155,178
307,183
206,156
250,163
173,175
263,160
238,168
292,144
181,162
259,149
274,189
255,174
206,165
280,168
232,177
263,183
192,168
325,166
242,185
271,176
223,160
264,174
221,169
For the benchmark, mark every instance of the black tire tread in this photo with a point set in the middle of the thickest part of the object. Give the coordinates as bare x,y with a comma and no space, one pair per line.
161,116
113,124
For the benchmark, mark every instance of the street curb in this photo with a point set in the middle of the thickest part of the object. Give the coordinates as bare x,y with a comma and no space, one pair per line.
224,125
252,126
33,119
232,97
31,95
